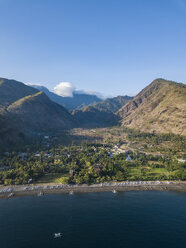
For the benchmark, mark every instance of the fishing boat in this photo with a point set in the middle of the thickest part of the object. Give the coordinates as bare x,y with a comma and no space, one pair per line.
114,191
40,194
57,235
10,195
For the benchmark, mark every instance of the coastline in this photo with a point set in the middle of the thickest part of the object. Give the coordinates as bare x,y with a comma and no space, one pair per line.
51,188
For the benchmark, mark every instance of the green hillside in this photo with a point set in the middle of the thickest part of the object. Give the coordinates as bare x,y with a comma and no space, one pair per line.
160,107
37,112
101,114
25,112
12,90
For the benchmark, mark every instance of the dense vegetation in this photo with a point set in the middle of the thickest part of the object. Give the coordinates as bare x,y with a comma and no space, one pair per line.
93,163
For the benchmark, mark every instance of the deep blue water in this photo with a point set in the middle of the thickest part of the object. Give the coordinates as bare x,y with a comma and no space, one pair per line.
127,219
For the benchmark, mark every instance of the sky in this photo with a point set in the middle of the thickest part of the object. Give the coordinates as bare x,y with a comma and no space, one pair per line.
115,47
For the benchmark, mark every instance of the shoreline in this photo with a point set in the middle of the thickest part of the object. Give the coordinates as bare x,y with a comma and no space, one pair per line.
52,188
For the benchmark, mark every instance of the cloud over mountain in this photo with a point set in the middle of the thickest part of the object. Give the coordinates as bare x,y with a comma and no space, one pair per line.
64,89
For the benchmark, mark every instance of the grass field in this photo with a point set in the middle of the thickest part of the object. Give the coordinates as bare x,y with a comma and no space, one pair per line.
54,178
140,172
133,174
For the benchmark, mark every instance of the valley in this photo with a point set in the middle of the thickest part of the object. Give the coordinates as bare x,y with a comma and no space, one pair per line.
95,156
111,140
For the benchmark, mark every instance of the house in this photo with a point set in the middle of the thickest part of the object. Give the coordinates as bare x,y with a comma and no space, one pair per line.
110,154
30,180
48,155
121,150
94,148
37,155
128,158
181,160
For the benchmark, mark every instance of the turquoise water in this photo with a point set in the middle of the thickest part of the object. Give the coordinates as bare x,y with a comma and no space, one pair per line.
127,219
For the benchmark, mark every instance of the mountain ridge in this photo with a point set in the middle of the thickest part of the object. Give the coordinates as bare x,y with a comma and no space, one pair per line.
40,113
12,90
25,111
159,107
101,114
78,100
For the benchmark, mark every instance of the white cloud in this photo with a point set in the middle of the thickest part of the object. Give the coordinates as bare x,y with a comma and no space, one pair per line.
64,89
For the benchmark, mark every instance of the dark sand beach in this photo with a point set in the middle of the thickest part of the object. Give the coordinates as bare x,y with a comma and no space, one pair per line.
51,188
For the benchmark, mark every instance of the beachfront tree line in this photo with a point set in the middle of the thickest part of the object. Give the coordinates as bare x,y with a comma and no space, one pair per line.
88,163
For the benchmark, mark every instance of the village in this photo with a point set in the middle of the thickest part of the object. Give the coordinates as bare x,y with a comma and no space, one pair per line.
96,156
88,163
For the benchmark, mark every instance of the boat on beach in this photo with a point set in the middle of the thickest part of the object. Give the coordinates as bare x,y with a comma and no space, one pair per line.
10,195
40,194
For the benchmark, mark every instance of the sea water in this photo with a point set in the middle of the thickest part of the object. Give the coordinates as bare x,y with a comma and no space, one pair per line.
147,219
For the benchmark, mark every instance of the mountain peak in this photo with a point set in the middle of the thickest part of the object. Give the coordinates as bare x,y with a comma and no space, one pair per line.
12,90
27,110
157,107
